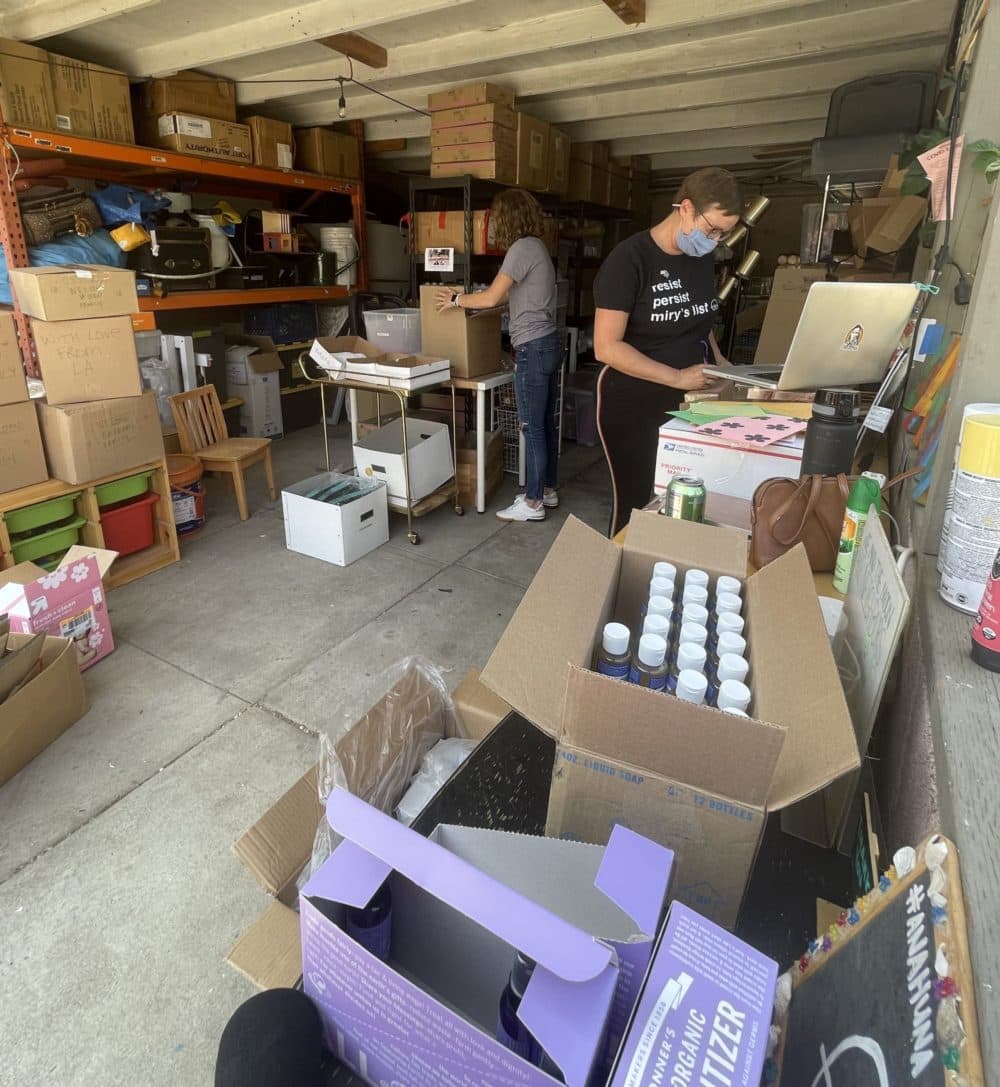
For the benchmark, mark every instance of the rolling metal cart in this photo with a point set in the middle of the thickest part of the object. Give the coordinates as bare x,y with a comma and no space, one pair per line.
443,494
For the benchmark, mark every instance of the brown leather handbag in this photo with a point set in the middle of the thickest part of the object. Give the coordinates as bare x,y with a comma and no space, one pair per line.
809,510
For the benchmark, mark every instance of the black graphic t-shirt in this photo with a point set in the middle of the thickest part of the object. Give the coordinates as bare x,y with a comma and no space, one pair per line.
670,300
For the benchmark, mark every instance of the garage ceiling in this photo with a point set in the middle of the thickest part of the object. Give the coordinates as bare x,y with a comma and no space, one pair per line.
698,83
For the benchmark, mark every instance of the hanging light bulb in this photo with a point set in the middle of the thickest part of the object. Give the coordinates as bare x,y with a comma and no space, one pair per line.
342,103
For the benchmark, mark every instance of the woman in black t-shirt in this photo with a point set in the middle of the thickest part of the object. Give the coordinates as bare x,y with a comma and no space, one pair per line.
656,305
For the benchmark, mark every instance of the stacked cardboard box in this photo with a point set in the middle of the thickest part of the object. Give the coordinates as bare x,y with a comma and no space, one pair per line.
273,144
49,91
474,130
588,172
22,460
883,224
192,113
323,151
95,419
639,167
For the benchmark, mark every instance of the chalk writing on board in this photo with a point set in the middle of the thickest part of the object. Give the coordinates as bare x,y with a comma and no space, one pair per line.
868,1046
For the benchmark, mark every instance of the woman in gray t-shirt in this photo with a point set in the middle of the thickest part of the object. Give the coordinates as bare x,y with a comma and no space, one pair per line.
527,282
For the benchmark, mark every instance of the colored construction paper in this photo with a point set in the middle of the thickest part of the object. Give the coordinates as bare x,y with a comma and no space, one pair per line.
754,433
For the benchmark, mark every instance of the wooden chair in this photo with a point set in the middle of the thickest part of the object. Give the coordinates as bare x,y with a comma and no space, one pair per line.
202,433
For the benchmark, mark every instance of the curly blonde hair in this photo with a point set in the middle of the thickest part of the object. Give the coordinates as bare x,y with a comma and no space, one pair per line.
515,214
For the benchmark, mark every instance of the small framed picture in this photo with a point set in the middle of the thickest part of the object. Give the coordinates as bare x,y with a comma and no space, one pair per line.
439,260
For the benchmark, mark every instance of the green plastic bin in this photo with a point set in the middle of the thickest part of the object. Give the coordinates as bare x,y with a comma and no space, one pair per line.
56,540
120,490
29,518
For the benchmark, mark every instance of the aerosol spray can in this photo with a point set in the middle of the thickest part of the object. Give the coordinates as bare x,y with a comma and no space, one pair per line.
986,629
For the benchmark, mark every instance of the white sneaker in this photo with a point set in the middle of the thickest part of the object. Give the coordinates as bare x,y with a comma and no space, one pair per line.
519,510
550,500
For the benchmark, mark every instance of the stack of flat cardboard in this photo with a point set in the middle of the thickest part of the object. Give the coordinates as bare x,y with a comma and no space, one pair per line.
95,419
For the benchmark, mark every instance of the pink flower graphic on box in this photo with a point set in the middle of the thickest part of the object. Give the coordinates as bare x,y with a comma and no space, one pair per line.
53,580
80,572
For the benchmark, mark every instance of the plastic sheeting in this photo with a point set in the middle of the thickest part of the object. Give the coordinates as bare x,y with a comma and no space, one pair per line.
99,248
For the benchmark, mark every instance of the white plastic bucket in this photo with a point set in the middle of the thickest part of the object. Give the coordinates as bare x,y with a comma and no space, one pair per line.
340,239
220,243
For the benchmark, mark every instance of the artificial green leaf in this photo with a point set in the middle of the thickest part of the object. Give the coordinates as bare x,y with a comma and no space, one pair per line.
914,184
985,145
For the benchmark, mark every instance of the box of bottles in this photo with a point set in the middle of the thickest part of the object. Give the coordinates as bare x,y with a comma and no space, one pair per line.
680,772
477,955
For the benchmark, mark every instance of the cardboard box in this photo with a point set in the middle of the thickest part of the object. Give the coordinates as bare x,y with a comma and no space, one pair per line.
186,92
505,154
43,708
588,172
466,469
22,458
471,343
490,113
204,136
684,450
13,387
618,183
273,145
67,602
558,155
74,112
471,94
688,776
84,442
87,360
463,900
281,243
252,368
789,288
885,223
447,229
502,170
532,153
340,534
323,151
26,97
379,456
466,134
706,1008
111,104
66,292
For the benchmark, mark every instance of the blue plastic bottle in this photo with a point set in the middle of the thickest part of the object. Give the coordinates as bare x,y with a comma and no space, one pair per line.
371,925
511,1032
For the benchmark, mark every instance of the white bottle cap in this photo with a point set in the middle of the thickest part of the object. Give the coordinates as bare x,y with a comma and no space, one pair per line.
691,687
727,584
695,613
690,657
731,643
732,666
666,570
616,639
652,650
661,586
734,694
695,594
735,712
696,577
660,605
658,625
729,623
728,603
694,632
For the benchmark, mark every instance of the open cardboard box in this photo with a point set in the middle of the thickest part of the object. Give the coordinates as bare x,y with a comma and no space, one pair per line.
462,902
279,845
697,780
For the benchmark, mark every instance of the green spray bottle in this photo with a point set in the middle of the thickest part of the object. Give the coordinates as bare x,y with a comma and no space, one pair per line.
866,492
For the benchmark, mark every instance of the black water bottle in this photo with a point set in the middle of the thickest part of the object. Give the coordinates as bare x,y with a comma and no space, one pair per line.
832,433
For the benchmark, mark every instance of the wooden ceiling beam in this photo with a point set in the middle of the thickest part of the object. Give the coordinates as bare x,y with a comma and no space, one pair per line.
631,12
357,48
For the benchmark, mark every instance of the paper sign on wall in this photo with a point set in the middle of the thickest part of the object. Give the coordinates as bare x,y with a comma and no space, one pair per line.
439,259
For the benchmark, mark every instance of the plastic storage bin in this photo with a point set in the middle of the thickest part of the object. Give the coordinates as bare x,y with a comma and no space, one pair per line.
42,513
394,329
130,526
56,539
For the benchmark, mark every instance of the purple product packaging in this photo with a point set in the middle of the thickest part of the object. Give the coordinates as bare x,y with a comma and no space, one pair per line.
705,1012
462,902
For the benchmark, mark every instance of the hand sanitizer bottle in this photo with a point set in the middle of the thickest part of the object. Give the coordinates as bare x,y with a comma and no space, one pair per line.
511,1032
691,686
734,695
649,667
690,658
730,666
613,657
371,925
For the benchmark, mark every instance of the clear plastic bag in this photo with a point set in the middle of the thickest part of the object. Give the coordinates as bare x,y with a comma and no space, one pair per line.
377,740
443,759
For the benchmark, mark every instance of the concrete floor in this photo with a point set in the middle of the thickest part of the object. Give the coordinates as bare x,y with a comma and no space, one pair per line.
119,895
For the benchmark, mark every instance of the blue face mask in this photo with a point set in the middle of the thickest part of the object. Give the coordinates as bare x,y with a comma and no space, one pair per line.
695,244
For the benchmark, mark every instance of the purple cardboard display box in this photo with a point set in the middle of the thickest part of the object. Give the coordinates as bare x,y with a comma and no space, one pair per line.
463,901
705,1012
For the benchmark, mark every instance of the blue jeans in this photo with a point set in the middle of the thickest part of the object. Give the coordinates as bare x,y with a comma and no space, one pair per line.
536,385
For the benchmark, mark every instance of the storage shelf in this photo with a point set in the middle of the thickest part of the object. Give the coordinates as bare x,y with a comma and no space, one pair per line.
209,299
146,161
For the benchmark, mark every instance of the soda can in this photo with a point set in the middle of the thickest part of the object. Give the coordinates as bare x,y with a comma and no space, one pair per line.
685,499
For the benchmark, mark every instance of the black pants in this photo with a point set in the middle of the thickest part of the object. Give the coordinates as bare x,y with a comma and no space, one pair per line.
630,412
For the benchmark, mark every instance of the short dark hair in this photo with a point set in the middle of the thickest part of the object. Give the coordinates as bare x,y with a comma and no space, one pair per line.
710,186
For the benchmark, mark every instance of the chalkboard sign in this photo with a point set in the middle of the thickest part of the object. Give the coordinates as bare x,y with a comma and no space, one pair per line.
868,1006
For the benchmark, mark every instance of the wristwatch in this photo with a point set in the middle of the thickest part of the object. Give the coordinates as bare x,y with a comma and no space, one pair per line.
455,296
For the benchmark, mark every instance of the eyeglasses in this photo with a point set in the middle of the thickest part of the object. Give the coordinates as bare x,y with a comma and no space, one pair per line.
716,233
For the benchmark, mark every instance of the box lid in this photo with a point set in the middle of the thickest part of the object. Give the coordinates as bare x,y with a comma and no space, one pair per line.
376,844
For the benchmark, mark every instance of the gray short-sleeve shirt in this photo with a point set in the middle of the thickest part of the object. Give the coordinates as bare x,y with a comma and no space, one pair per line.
532,300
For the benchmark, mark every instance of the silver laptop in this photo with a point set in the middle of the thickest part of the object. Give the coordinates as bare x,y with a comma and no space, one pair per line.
845,337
